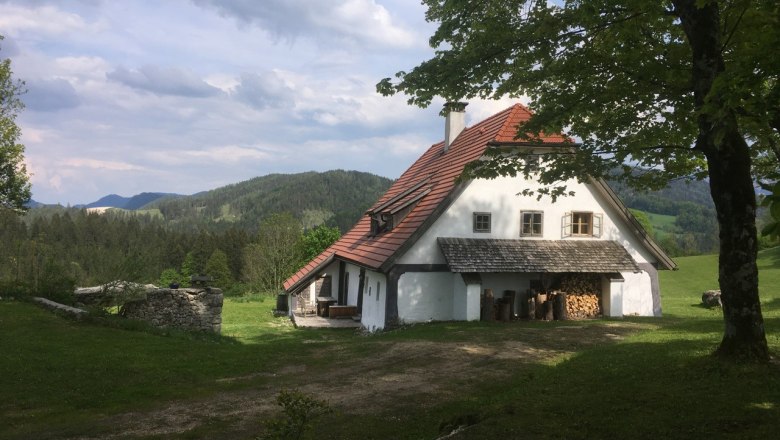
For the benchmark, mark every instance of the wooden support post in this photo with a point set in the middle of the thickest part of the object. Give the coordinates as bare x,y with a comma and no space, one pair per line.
488,313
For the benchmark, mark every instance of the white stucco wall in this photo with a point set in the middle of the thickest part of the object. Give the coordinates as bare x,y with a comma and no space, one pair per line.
612,297
637,296
499,197
374,301
426,296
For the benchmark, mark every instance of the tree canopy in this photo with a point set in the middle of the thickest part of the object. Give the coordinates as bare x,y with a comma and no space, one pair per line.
655,90
14,181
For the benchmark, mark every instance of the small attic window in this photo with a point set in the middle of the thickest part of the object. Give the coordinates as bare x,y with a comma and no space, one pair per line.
378,224
481,222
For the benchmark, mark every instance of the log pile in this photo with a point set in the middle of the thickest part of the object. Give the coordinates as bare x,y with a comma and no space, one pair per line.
582,306
580,283
583,295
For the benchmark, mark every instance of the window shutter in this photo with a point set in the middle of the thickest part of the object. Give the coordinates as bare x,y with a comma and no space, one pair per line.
566,225
597,225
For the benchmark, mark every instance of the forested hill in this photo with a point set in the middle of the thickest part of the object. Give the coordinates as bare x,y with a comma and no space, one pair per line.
672,200
336,198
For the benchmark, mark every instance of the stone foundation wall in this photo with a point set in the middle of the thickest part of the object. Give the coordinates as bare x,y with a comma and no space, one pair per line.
190,309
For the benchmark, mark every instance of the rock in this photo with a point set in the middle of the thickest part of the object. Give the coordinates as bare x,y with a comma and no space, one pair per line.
711,298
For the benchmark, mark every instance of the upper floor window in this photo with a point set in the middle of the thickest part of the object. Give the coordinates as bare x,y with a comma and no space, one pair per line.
581,224
531,223
481,222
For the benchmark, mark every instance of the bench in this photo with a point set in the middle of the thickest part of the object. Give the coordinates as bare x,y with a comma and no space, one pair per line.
342,311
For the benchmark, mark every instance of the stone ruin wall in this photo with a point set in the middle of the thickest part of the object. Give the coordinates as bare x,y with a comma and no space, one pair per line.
198,309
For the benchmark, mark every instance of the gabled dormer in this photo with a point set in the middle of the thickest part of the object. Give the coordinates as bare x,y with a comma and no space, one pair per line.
390,213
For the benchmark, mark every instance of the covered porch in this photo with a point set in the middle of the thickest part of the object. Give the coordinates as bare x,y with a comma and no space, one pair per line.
314,307
587,276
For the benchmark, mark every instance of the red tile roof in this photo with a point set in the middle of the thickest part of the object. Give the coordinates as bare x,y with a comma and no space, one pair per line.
434,172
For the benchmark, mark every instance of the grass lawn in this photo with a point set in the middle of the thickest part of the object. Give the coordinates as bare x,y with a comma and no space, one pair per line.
663,225
630,378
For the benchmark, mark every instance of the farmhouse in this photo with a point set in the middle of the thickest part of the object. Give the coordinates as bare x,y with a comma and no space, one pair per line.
431,247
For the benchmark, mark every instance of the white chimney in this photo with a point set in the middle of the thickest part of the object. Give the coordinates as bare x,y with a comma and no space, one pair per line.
455,122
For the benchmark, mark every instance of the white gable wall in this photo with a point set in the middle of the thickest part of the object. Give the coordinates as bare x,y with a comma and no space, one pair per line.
499,197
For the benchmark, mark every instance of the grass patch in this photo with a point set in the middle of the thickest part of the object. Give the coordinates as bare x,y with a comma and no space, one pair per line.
631,378
663,225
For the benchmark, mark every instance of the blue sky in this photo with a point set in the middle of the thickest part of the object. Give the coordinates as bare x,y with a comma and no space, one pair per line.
189,95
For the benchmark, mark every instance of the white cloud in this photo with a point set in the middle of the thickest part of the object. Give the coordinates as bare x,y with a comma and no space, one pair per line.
264,89
478,110
357,21
80,67
104,165
46,20
222,155
408,146
163,81
50,95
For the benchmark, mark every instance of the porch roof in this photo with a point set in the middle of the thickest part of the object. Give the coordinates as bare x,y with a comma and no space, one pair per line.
496,255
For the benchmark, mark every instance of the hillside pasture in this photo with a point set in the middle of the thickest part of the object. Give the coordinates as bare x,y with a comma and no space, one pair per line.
663,225
631,378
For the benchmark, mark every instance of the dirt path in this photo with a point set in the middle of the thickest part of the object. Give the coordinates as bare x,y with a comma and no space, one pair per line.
424,372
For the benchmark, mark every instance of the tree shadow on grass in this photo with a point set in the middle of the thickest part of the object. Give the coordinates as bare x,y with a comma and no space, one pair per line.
664,389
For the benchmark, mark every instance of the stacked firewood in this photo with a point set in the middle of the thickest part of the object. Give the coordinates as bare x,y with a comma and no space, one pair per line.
583,306
583,291
579,283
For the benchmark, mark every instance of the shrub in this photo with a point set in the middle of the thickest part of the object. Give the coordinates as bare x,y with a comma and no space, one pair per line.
171,276
299,414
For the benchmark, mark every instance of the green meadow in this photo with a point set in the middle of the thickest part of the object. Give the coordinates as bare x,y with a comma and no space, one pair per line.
638,378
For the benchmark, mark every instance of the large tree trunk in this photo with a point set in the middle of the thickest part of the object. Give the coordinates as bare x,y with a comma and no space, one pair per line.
735,202
731,186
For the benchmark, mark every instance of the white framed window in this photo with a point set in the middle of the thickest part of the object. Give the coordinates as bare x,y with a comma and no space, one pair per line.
378,285
581,224
531,223
482,222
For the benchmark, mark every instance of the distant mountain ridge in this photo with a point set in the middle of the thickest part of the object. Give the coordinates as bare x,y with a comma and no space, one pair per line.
130,203
336,198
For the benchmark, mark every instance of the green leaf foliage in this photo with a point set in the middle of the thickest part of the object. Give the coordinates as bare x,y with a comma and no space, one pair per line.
614,74
170,277
300,412
771,201
217,268
316,240
14,180
276,253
